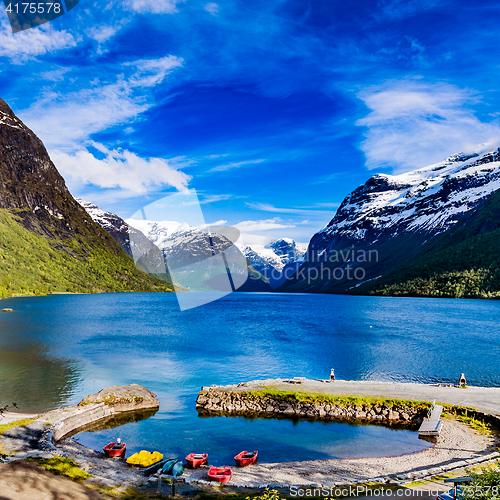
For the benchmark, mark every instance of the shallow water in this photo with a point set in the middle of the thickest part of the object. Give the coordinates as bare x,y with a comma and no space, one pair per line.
55,350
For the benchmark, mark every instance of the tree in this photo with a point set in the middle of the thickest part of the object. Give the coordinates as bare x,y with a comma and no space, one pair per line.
485,486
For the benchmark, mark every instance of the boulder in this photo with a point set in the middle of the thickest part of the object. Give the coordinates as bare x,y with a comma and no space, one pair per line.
132,396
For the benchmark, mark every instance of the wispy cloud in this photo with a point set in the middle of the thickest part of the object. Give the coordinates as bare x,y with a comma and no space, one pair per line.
214,198
103,33
33,42
66,120
266,207
55,75
400,9
212,7
151,72
152,6
413,124
249,226
238,164
328,205
121,168
325,179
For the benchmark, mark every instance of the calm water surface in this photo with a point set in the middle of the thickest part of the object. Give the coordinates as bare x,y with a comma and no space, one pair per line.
55,350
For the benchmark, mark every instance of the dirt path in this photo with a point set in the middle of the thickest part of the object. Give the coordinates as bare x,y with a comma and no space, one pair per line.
21,480
9,416
486,399
457,442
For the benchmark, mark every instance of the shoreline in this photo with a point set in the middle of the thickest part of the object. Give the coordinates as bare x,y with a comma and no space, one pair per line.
483,399
458,446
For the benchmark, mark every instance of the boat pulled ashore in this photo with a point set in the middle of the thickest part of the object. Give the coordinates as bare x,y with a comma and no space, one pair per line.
220,474
114,450
195,460
246,458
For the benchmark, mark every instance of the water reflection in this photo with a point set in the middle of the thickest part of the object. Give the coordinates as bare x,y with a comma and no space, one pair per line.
36,381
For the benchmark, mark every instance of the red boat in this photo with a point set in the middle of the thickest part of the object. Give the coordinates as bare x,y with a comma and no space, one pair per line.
221,474
245,458
195,460
115,449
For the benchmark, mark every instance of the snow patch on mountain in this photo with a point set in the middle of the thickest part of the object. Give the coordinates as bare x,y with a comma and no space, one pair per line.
11,121
159,232
106,220
429,199
276,255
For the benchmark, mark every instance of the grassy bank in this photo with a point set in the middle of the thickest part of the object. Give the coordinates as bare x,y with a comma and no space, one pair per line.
306,397
32,264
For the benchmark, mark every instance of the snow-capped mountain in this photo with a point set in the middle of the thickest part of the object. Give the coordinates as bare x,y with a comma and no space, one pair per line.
180,245
287,250
273,259
128,237
394,215
158,232
183,245
429,199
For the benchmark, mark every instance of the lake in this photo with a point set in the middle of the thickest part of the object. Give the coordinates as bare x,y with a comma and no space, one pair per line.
57,349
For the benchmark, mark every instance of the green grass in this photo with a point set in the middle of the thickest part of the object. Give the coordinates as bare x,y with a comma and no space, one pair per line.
63,467
111,400
464,261
17,423
88,262
305,397
7,427
462,415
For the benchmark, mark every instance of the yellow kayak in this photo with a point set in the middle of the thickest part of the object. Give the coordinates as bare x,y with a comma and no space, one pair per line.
145,458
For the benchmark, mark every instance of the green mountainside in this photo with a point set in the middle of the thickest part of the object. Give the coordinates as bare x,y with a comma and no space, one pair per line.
464,261
48,243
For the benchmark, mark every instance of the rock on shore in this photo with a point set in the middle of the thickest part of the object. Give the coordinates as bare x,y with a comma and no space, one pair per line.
216,400
133,396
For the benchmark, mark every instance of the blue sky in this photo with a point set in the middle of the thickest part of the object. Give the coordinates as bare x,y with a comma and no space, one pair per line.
272,110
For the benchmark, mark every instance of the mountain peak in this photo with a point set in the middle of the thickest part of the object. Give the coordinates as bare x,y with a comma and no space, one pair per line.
395,215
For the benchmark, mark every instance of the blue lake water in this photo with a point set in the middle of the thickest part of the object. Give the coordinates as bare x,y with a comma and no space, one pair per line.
55,350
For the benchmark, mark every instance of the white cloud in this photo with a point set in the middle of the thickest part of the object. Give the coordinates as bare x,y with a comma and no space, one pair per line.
230,166
55,75
213,198
151,72
413,124
266,207
103,33
328,205
212,7
248,226
33,42
65,121
120,168
152,6
251,232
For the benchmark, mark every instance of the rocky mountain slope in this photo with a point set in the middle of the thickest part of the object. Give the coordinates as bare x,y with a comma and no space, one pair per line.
183,245
276,261
387,222
156,245
38,212
463,261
